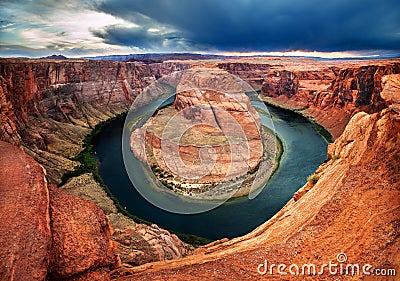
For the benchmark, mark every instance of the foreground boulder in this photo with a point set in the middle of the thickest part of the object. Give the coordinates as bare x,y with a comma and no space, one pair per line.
81,239
25,237
46,233
142,243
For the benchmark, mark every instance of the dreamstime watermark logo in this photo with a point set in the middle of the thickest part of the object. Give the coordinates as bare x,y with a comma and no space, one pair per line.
192,139
339,267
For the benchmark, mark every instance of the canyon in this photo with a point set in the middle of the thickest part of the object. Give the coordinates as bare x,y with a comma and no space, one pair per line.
215,131
49,106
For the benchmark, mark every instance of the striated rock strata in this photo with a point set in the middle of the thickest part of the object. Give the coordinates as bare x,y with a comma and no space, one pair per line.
212,134
141,244
49,106
332,95
353,208
206,120
330,92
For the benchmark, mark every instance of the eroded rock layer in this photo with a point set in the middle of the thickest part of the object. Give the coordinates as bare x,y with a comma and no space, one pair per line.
218,137
48,234
50,106
351,211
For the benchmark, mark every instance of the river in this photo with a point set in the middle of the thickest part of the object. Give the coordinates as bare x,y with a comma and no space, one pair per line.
304,150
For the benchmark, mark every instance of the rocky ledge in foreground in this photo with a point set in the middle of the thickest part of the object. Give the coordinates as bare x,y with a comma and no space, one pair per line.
351,212
48,234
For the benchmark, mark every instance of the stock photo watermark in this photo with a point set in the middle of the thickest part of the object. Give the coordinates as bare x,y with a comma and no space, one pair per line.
338,267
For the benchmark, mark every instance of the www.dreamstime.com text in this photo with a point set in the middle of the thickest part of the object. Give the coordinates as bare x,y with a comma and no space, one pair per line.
339,267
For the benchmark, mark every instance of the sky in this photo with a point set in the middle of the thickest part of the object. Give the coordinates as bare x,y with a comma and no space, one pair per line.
78,28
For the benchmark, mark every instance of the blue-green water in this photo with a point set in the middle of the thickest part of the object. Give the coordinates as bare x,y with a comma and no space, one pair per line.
304,150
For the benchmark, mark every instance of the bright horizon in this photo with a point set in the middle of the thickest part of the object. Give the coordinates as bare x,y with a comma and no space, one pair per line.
297,53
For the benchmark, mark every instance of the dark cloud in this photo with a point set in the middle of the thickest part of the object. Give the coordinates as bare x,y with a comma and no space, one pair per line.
259,25
145,34
142,38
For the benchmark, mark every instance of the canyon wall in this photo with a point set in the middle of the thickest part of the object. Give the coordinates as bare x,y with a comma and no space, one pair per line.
350,215
330,92
48,107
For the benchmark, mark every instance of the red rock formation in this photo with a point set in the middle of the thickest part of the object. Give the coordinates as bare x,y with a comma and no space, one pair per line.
81,238
278,83
49,106
25,236
252,73
142,244
352,209
42,236
214,127
8,129
329,95
391,88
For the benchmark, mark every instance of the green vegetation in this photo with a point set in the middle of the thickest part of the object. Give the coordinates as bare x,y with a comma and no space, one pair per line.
193,240
87,164
335,157
313,179
261,111
279,144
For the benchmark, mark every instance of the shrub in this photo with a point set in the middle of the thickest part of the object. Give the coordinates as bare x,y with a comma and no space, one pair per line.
312,179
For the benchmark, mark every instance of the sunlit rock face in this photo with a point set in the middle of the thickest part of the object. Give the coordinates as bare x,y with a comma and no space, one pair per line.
45,109
206,137
47,234
25,235
217,134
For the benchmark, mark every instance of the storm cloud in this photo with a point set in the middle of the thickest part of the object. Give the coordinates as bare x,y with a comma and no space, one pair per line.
125,26
261,25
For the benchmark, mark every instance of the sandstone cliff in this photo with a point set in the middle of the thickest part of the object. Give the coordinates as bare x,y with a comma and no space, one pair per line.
353,208
47,107
330,92
331,96
45,232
